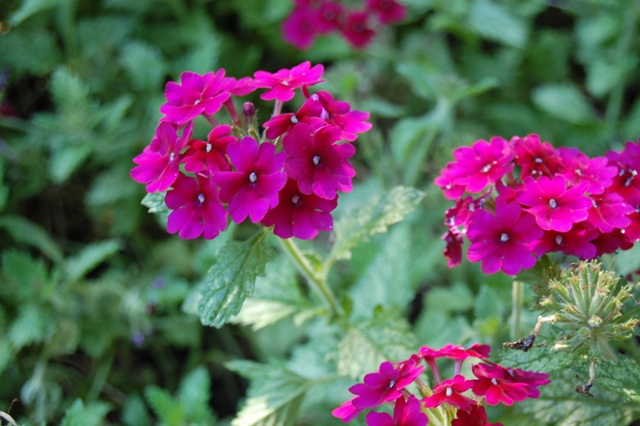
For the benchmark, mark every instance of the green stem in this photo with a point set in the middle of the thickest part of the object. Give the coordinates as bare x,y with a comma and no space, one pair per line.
316,282
517,299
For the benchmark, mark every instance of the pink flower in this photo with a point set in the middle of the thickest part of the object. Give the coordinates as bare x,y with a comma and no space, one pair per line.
502,241
577,242
405,413
453,248
577,167
283,83
300,215
198,94
319,165
482,164
253,189
555,207
609,211
210,156
309,113
339,113
532,379
330,14
357,29
491,384
627,182
196,208
346,411
534,157
450,392
476,416
159,163
385,384
388,11
300,28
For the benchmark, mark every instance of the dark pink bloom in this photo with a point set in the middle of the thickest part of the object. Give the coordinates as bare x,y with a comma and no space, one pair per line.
476,416
577,167
405,413
159,164
319,165
283,83
385,384
300,215
453,249
627,182
576,242
448,181
388,11
209,156
309,113
329,16
240,87
457,352
533,380
555,207
357,29
346,411
536,158
609,211
612,241
198,94
339,113
491,384
450,392
300,28
502,241
196,208
253,188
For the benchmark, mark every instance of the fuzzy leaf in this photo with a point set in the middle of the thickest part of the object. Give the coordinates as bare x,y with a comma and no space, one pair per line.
93,414
232,278
69,92
32,325
90,257
30,233
374,218
156,205
65,161
563,101
274,396
31,7
26,275
194,395
144,65
368,343
169,412
491,21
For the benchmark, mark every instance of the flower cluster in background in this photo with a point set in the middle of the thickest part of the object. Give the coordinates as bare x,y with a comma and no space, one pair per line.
457,401
311,18
520,199
288,179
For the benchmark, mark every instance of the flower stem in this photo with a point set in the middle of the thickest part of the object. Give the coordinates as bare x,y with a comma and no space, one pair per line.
316,281
516,308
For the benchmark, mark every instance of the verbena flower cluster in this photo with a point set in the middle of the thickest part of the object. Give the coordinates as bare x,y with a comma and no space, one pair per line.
311,18
460,400
520,199
289,178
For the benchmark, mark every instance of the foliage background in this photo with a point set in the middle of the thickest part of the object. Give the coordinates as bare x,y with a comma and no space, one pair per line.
95,313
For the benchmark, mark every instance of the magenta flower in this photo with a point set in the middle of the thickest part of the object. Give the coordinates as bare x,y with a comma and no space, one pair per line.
283,83
627,182
609,211
386,384
330,15
577,167
210,156
159,164
453,248
253,188
346,411
482,164
319,165
532,379
502,241
300,215
448,181
339,113
476,416
576,242
196,208
309,113
357,29
555,207
491,384
450,392
300,28
405,413
198,94
388,11
536,158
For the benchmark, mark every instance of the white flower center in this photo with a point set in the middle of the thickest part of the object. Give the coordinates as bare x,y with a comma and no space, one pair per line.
209,147
294,119
553,203
316,160
295,198
172,156
201,198
494,381
449,392
253,177
538,160
504,237
558,239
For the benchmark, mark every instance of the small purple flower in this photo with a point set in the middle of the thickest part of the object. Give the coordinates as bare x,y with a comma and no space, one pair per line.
555,207
253,188
406,412
196,208
502,241
283,83
319,165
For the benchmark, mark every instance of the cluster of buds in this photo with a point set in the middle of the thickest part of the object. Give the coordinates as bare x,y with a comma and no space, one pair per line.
288,178
520,199
311,18
457,401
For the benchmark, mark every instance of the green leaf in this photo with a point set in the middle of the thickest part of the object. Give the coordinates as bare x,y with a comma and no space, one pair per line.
68,90
44,53
564,101
31,7
65,161
93,414
144,65
493,22
368,343
231,279
194,395
169,412
91,256
28,276
32,325
274,396
374,218
30,233
155,203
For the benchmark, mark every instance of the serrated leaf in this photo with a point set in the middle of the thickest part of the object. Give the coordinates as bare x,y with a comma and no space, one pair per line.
27,275
491,21
68,91
155,203
274,396
144,65
93,414
91,256
65,161
194,395
231,279
368,343
30,233
169,412
32,325
374,218
563,101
